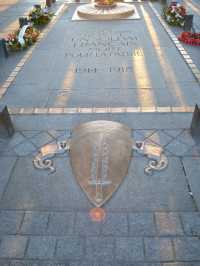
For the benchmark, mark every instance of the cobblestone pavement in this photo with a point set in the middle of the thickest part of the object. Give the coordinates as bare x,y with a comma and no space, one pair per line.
148,86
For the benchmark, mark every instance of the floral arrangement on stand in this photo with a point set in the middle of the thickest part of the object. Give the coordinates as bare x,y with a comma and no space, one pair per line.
174,14
39,15
22,38
190,38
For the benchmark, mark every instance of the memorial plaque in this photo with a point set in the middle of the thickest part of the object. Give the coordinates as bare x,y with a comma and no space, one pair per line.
100,154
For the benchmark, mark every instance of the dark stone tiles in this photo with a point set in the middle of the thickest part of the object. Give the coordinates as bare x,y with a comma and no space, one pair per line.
158,249
34,223
6,166
129,249
13,246
70,248
98,248
61,223
10,221
39,190
41,247
141,224
187,249
168,224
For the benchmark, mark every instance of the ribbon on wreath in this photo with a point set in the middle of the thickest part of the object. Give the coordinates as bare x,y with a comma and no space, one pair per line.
21,35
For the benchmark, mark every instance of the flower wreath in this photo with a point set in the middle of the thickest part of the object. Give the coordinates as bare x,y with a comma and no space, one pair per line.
39,15
190,38
174,14
22,38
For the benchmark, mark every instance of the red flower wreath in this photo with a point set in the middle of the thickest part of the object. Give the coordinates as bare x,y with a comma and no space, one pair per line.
190,38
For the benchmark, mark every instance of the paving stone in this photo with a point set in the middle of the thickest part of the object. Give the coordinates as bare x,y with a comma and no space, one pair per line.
115,224
85,226
41,139
84,263
43,191
115,263
3,145
187,249
191,223
129,249
146,132
133,120
70,248
12,246
181,264
41,247
193,152
177,148
56,133
61,223
16,139
164,191
168,224
158,249
10,222
173,132
65,135
25,263
141,224
186,138
6,166
30,133
160,138
4,263
100,248
24,148
34,223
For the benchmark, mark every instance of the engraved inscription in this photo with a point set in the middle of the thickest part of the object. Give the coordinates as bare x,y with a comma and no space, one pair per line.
104,44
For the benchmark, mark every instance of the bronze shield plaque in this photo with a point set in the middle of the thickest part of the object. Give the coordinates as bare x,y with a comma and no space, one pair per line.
100,152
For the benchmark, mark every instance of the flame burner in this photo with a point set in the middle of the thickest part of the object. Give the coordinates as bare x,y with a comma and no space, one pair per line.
101,11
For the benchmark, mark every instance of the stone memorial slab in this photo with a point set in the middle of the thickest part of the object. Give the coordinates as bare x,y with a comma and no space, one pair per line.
136,62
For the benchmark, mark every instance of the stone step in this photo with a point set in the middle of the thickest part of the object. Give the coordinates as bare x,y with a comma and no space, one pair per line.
139,120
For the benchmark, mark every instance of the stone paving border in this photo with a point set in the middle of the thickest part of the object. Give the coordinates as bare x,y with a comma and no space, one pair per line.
100,110
183,52
14,73
137,236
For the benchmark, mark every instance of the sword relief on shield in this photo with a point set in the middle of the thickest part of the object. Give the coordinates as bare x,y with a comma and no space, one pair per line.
99,169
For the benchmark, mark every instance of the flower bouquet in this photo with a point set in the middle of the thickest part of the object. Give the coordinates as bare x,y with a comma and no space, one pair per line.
12,42
190,38
21,38
39,15
174,14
